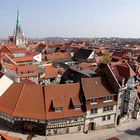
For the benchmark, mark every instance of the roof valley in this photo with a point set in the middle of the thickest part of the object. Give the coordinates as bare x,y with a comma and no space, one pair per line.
44,99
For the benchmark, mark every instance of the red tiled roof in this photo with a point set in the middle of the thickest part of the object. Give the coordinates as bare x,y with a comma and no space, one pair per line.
21,101
18,50
34,101
99,59
49,67
27,81
10,45
4,49
122,71
9,100
7,137
30,103
96,87
23,59
58,55
118,55
27,68
52,72
65,92
33,45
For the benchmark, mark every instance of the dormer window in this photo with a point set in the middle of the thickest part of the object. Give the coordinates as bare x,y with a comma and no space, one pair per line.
77,107
75,103
58,109
93,101
107,98
57,104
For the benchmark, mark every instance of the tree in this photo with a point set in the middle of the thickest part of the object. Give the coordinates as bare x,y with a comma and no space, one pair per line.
106,59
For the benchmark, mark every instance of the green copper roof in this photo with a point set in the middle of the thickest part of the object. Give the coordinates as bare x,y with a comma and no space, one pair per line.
18,19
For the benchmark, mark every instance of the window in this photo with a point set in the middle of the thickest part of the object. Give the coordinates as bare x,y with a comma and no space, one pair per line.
107,98
111,108
75,120
125,105
55,131
58,109
93,100
79,128
77,107
108,108
93,111
91,119
108,117
103,118
127,94
137,106
67,130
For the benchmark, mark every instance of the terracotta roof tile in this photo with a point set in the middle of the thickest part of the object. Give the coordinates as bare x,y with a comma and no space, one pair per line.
7,137
65,92
58,55
8,101
52,72
30,103
34,101
96,87
122,71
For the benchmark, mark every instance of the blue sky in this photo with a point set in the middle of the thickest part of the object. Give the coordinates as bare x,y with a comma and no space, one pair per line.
72,18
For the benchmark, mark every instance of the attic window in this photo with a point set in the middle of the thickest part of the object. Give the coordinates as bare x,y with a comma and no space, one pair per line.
58,109
77,107
107,98
93,101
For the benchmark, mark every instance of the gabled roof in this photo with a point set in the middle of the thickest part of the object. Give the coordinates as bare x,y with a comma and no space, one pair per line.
27,81
118,55
122,71
23,101
52,72
82,54
34,101
27,68
30,103
10,98
64,93
96,87
57,55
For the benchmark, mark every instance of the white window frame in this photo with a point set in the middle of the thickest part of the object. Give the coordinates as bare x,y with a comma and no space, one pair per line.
93,101
107,99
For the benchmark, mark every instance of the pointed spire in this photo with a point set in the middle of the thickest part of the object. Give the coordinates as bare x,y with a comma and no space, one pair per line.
18,18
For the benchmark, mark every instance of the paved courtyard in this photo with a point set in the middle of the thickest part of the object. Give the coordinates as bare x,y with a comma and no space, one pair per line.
127,131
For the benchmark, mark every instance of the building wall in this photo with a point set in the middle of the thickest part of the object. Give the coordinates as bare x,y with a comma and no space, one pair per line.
97,118
92,55
65,125
64,130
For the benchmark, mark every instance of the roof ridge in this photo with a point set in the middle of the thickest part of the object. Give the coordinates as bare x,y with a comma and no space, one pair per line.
18,100
113,74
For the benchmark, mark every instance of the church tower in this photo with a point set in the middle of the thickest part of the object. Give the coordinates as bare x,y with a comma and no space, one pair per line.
19,35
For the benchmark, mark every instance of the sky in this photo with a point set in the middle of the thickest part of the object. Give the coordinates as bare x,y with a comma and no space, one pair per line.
71,18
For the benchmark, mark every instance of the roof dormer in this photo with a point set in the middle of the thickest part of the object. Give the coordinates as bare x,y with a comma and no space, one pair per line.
57,104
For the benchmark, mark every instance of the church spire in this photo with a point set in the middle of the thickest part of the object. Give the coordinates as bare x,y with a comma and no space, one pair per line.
19,35
18,18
